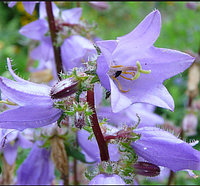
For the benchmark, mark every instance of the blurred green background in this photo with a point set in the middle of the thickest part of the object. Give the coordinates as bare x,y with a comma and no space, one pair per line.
180,30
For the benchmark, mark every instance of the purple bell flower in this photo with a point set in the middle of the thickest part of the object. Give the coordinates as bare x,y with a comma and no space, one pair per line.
134,70
10,141
37,168
74,48
30,104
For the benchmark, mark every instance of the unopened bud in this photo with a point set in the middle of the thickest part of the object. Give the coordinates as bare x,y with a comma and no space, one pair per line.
190,122
146,169
64,88
79,120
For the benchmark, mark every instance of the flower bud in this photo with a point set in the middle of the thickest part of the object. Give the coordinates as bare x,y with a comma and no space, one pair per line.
190,122
64,88
146,169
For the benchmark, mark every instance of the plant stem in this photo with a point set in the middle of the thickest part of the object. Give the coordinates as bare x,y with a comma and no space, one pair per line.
103,148
170,177
53,32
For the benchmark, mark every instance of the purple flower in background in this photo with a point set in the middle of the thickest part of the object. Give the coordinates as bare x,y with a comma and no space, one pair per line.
30,104
107,179
134,70
164,149
10,144
129,117
37,168
28,6
90,147
75,49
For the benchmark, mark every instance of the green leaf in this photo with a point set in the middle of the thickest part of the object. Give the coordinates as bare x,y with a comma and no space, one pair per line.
75,153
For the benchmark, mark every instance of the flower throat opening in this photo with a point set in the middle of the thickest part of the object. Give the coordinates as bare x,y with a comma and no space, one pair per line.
120,70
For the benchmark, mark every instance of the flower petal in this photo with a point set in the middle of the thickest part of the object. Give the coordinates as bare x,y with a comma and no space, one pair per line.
24,93
107,48
143,36
10,153
29,6
72,15
103,67
35,29
37,168
29,117
119,101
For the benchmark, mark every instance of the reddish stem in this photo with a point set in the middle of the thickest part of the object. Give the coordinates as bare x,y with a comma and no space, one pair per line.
103,148
53,32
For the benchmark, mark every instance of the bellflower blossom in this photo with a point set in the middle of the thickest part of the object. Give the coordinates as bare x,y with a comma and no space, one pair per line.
74,48
164,149
37,168
134,70
10,144
30,104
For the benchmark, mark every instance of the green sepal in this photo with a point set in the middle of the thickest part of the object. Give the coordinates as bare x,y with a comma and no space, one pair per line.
94,80
70,113
89,175
100,168
60,119
109,169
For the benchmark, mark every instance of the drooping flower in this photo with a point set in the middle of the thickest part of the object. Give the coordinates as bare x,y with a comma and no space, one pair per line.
30,104
10,144
134,70
164,149
37,168
107,179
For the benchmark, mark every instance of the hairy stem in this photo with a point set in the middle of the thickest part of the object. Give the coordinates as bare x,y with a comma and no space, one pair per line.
53,32
103,148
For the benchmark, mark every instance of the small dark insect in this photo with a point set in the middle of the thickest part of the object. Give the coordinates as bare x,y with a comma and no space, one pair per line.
117,74
4,142
108,93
